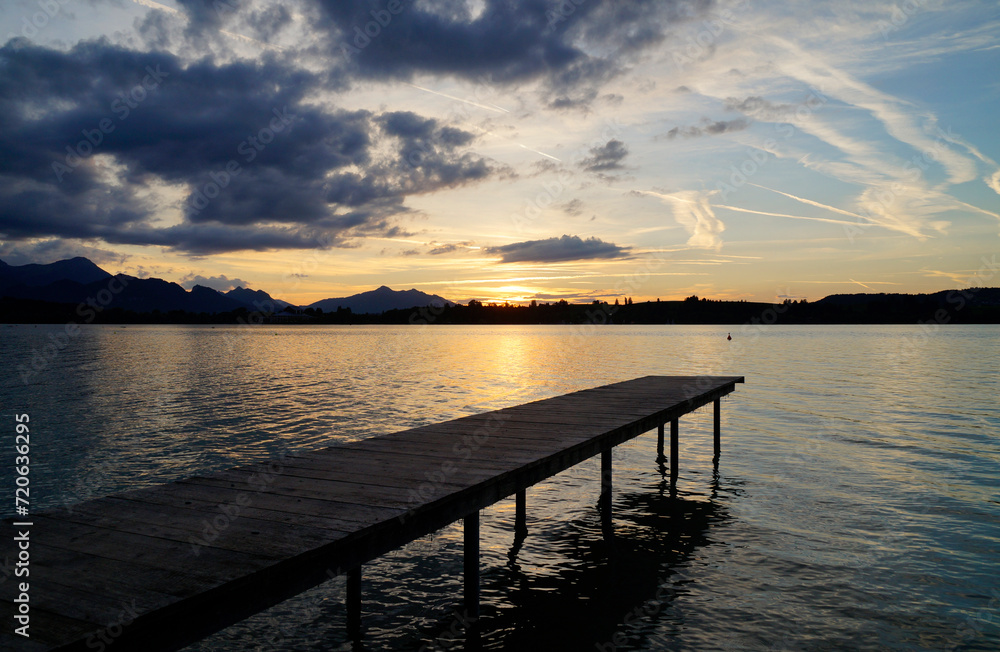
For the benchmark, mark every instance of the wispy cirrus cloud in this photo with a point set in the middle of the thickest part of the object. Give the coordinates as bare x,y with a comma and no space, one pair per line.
693,211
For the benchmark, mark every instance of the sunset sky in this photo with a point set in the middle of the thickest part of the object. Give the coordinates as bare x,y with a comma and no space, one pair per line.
506,150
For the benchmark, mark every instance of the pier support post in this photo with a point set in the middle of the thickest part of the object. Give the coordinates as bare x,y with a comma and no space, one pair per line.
606,478
718,426
521,512
605,499
471,531
673,448
659,442
354,603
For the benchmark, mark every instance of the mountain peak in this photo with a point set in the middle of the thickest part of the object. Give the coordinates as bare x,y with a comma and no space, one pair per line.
79,270
258,299
380,300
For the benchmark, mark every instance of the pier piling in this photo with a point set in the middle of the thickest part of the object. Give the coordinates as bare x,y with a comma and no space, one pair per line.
673,448
471,532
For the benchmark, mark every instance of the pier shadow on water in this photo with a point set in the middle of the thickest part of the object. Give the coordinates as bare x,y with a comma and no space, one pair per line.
571,586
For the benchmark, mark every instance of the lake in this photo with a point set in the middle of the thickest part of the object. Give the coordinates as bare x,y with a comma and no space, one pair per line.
856,504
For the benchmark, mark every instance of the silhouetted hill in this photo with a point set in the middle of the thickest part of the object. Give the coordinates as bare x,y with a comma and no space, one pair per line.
128,293
78,290
377,301
79,270
80,281
973,305
256,299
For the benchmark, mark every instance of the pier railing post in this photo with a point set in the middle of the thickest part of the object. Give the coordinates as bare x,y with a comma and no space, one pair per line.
354,603
673,448
718,426
471,532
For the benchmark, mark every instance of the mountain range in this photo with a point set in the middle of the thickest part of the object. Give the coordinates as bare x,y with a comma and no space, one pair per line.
79,281
69,290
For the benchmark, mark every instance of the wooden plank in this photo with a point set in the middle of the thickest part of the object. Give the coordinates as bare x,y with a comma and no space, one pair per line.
17,643
398,479
282,509
555,433
390,473
82,604
231,531
417,460
346,493
115,577
45,628
223,494
160,552
442,448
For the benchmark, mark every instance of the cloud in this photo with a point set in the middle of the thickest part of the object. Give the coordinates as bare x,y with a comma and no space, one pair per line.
994,182
551,250
605,158
757,107
708,128
506,41
50,251
573,207
693,211
221,283
260,165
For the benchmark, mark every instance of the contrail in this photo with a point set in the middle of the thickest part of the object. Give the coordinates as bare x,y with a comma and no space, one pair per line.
861,284
537,152
795,217
662,196
458,99
810,202
976,208
157,5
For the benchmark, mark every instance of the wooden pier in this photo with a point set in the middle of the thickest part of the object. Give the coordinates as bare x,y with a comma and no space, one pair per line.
160,568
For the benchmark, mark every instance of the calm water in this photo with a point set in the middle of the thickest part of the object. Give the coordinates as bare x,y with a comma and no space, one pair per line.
856,504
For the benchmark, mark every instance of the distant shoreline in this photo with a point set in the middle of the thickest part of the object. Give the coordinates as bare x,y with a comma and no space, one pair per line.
973,306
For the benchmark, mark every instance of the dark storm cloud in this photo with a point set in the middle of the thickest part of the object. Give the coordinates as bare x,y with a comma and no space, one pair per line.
508,41
206,13
263,168
267,23
552,250
605,158
708,128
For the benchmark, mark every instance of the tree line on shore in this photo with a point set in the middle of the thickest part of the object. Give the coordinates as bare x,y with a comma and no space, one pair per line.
974,305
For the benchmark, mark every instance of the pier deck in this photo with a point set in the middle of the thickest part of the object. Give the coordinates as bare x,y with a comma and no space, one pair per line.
162,567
